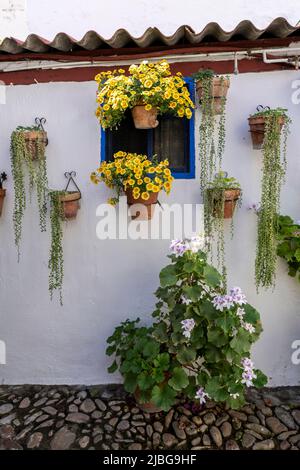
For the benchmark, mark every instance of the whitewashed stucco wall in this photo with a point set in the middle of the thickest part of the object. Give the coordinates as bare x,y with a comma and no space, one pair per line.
108,281
18,18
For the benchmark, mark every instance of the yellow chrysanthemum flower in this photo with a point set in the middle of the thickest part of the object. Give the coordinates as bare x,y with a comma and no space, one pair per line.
148,107
145,196
148,83
149,187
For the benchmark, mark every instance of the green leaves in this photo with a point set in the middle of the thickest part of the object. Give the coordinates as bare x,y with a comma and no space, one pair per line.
111,369
212,276
151,349
225,322
145,381
161,362
168,276
251,315
130,382
160,332
163,396
186,355
240,343
179,379
261,379
217,337
289,246
193,293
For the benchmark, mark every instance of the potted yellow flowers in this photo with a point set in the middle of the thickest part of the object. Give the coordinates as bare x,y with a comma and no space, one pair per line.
149,89
138,177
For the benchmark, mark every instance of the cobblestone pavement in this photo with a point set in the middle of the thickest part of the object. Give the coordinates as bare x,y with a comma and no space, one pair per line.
105,418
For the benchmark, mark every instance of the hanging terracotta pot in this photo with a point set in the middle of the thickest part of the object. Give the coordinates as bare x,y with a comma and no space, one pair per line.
219,91
2,196
33,139
143,118
146,209
70,204
257,128
231,196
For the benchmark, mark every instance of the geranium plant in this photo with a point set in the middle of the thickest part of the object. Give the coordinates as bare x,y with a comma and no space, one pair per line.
288,248
150,84
130,172
202,335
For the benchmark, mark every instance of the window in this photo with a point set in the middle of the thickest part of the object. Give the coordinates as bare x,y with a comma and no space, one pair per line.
172,139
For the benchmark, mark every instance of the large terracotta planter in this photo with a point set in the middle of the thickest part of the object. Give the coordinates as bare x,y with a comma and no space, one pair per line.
70,204
148,407
219,90
257,128
145,210
144,119
33,139
231,196
2,196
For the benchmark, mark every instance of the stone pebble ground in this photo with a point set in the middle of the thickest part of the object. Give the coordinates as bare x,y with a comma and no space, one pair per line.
106,418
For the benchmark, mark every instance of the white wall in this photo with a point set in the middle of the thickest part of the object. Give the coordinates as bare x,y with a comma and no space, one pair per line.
46,18
108,281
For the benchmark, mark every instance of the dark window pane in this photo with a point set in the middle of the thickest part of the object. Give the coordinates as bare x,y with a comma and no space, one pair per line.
126,138
171,140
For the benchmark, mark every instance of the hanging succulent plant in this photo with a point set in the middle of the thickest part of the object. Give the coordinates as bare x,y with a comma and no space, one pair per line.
28,150
56,258
211,153
276,130
64,205
221,196
212,91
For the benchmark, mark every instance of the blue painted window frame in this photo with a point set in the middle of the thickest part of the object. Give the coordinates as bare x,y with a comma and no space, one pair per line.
191,124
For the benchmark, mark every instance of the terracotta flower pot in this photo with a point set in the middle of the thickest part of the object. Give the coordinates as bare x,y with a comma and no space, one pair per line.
220,87
148,407
146,209
257,128
2,196
32,139
231,196
144,119
70,203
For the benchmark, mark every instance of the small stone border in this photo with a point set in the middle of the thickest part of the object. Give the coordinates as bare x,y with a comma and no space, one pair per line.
106,418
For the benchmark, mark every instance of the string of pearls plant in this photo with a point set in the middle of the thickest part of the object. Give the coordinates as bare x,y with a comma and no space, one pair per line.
21,157
277,125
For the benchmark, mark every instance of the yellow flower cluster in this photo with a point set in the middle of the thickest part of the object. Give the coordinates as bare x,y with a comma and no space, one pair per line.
135,172
149,83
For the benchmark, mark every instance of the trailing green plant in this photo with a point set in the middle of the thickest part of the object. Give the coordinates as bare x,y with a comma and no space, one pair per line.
288,248
211,153
21,158
56,258
211,149
214,203
273,175
199,343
